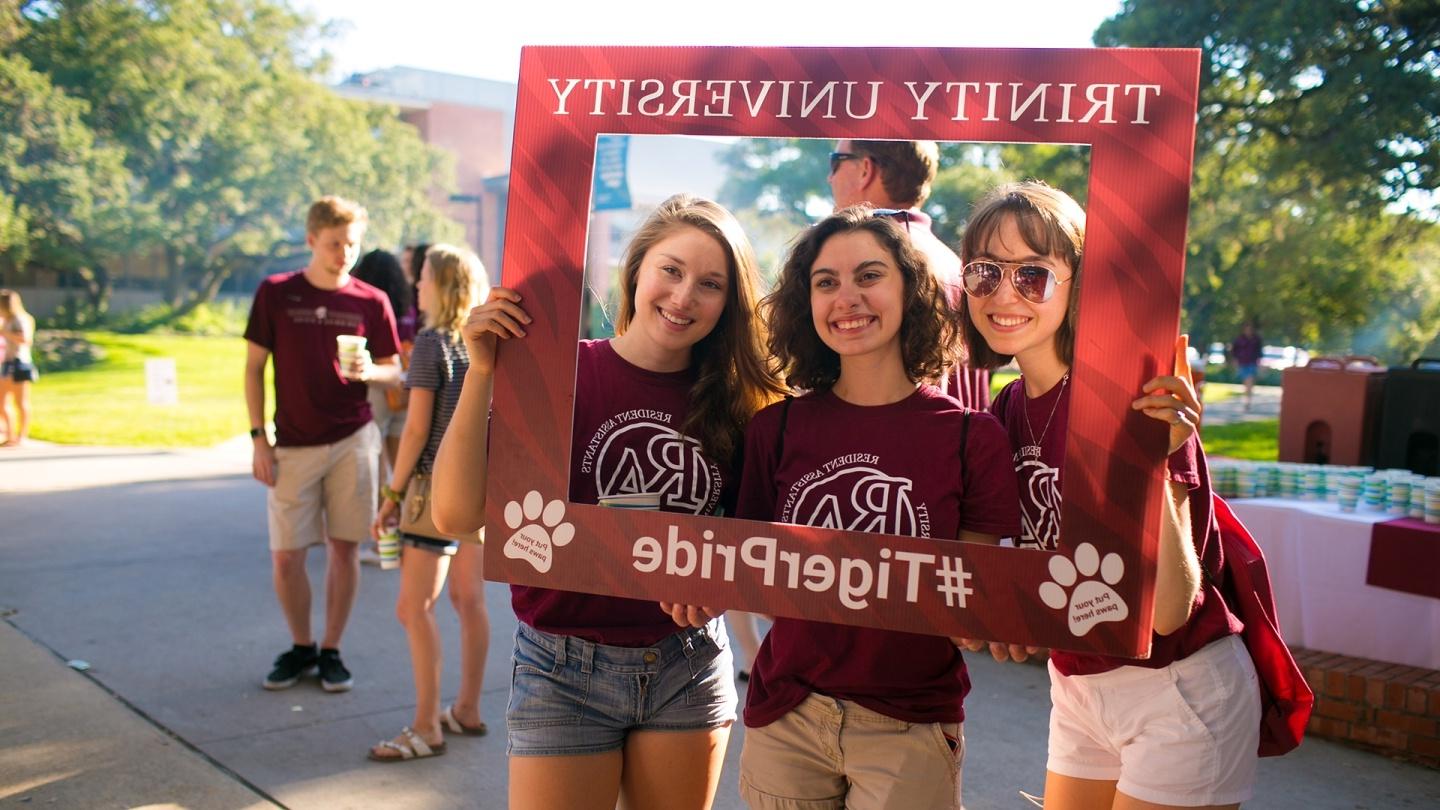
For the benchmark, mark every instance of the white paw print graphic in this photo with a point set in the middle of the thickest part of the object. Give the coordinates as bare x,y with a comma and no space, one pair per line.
536,542
1093,601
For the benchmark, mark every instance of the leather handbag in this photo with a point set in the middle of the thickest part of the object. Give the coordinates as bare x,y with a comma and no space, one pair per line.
415,512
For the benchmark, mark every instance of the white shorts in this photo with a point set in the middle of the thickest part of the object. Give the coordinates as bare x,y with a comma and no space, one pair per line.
1183,735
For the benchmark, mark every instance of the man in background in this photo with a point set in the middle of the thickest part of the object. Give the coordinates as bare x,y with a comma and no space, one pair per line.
896,176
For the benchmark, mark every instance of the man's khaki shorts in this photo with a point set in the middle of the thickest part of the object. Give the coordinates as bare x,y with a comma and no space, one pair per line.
326,490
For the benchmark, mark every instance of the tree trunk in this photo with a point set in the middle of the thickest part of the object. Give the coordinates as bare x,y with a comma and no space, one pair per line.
99,285
174,278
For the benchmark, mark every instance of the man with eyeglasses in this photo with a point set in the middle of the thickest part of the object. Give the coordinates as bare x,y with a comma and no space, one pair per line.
896,175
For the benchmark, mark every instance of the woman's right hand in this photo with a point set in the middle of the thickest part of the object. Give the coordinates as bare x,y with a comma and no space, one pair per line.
384,518
499,317
690,615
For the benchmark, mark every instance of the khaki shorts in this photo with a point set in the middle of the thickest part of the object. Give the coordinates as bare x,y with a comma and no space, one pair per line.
1182,735
326,490
828,754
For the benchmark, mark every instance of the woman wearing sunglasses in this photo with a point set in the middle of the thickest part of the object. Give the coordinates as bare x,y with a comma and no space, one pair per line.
608,701
840,716
1180,729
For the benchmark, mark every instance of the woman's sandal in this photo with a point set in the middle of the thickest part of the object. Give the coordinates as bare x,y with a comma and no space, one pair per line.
410,747
453,724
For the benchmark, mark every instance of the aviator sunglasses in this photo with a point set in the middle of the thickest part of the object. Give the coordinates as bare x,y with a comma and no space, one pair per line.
1035,283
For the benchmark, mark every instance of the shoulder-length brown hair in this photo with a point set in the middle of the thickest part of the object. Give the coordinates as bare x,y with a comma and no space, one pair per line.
927,326
1052,224
734,378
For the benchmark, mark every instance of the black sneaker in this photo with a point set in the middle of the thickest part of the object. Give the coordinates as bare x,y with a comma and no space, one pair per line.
334,677
290,666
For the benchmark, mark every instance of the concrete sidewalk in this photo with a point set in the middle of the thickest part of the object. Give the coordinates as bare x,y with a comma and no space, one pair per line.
152,567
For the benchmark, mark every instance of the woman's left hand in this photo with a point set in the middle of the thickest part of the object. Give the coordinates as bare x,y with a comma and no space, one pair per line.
690,615
1172,398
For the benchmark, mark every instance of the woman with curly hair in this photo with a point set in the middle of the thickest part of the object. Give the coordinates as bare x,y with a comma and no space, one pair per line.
841,716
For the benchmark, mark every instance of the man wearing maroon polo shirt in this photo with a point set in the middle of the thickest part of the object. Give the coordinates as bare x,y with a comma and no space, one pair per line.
322,471
897,175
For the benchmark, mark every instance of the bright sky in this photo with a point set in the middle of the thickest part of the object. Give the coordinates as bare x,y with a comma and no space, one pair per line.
484,38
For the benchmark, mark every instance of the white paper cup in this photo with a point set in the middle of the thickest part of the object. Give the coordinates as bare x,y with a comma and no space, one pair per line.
347,348
637,500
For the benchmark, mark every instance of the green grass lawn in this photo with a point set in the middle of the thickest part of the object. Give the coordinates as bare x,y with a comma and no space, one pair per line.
1219,392
106,404
1255,441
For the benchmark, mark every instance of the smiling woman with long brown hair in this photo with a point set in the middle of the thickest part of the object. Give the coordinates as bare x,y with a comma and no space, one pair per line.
609,701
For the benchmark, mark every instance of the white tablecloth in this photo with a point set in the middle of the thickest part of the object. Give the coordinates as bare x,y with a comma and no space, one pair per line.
1317,557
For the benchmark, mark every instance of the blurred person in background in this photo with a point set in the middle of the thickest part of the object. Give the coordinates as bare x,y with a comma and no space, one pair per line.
1245,355
17,372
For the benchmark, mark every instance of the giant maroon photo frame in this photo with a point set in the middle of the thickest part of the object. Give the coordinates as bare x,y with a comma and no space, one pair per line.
1135,108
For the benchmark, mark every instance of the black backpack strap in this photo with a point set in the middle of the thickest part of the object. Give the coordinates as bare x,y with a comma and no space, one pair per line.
780,437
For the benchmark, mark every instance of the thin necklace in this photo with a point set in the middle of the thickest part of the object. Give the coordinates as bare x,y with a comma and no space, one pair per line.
1033,441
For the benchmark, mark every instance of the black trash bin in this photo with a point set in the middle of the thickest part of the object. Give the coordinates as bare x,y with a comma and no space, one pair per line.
1410,418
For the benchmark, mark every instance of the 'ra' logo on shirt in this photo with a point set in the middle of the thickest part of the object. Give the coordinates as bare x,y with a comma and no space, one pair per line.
645,456
860,499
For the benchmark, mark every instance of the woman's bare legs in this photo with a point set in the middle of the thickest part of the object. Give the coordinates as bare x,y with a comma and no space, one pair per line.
22,411
658,770
467,596
672,769
422,575
588,782
1070,793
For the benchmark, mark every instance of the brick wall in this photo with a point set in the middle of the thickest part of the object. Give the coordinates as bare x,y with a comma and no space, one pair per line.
1389,708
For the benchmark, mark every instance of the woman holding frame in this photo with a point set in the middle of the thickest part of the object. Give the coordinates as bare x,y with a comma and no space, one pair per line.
608,700
1180,729
851,717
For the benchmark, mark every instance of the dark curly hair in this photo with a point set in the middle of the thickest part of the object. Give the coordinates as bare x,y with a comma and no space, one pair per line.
380,268
927,329
1052,224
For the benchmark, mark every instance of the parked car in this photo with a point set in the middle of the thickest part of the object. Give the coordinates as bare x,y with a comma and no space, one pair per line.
1283,357
1216,356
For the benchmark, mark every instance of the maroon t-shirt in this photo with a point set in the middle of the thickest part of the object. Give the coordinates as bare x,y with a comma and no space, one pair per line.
891,469
298,323
1039,456
625,439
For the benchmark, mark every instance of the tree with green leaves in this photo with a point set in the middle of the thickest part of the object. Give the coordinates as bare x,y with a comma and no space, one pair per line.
226,132
1316,165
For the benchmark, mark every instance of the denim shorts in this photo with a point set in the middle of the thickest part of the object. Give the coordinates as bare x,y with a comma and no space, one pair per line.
569,696
445,548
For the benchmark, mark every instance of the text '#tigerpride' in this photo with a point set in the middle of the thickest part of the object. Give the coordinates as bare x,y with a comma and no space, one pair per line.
854,580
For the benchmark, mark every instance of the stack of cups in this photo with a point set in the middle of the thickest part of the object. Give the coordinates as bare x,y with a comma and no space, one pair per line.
1245,481
1314,484
1400,495
1374,492
1224,474
1432,500
1348,491
1290,481
1417,496
388,544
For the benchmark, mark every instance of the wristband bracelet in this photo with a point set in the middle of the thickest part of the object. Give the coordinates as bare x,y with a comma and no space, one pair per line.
256,432
390,495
